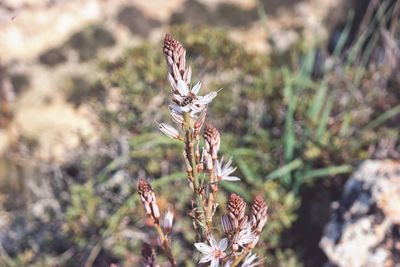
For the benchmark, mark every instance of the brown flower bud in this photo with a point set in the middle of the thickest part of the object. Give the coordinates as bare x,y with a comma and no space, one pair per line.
236,208
199,122
171,45
148,199
212,137
259,214
175,55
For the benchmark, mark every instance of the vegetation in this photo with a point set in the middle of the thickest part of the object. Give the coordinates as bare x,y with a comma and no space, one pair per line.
290,125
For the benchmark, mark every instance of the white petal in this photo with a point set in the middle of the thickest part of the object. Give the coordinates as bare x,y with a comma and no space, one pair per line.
230,178
228,164
212,241
175,108
204,100
172,82
214,262
183,88
223,244
204,248
206,258
196,88
226,171
186,108
168,130
176,117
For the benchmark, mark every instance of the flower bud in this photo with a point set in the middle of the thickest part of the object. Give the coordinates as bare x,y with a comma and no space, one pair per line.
148,198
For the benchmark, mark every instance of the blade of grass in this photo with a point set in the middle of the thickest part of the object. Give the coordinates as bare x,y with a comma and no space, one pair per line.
321,129
383,118
344,128
287,168
334,170
344,35
317,102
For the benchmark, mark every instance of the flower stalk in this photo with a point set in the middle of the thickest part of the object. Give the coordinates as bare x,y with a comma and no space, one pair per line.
204,172
148,198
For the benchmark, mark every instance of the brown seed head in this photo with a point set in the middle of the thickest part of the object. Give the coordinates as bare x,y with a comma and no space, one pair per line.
212,137
236,208
259,213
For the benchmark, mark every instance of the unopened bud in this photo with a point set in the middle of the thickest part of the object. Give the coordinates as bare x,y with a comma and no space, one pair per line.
236,208
148,198
168,221
259,214
212,137
169,130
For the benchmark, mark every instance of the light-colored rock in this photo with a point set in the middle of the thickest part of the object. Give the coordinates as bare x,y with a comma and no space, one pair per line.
362,223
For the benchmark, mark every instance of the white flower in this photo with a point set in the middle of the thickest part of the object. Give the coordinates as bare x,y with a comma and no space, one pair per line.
249,260
223,172
188,99
213,252
243,237
183,89
168,130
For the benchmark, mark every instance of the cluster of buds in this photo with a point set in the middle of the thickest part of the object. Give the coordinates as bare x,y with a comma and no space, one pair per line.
244,231
148,198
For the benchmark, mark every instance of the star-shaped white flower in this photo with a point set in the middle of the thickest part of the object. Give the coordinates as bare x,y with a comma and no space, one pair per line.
213,252
189,100
243,237
223,172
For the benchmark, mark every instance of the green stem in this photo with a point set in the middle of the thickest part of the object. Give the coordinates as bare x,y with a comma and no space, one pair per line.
165,245
190,153
211,197
239,258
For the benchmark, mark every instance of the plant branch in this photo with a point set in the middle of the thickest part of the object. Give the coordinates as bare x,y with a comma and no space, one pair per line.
165,244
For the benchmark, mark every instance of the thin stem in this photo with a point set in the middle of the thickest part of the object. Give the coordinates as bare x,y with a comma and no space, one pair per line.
239,258
211,197
190,153
165,245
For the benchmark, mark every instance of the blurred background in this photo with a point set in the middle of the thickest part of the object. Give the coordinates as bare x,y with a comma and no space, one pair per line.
309,111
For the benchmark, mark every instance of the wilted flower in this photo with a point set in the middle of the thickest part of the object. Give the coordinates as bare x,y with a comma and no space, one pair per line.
168,220
168,130
213,252
224,172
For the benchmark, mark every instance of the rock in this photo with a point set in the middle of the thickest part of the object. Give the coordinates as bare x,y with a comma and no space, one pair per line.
365,224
